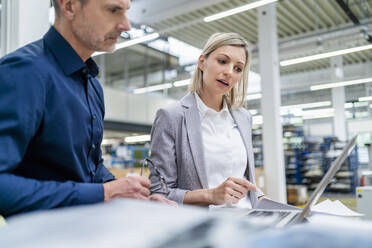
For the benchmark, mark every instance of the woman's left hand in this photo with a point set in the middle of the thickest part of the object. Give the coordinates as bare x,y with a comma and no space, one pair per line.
162,199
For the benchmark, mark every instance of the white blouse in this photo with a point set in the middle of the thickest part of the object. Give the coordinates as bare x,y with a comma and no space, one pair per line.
224,151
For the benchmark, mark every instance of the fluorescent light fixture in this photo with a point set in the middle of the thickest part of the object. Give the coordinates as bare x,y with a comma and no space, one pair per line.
366,98
348,105
253,111
324,55
257,120
253,96
238,10
319,111
318,116
137,40
182,82
340,84
139,138
308,105
132,42
360,104
109,141
152,88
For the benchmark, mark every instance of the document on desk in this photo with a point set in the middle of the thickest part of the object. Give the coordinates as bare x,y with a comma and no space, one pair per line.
334,208
271,204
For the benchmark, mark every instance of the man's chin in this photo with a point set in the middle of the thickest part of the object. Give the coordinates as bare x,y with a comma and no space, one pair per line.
108,49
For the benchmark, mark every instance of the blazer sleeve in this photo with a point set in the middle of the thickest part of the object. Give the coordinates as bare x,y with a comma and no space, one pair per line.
163,155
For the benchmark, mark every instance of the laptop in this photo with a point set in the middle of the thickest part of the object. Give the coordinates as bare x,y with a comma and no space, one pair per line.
284,217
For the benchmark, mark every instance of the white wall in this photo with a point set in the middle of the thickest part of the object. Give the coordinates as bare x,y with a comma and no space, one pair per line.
324,127
26,21
126,107
360,126
34,20
319,129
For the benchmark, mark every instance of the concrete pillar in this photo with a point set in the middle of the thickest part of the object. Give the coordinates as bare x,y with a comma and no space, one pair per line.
270,103
338,99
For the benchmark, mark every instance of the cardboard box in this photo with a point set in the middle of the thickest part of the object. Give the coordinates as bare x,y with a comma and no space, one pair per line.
297,194
260,178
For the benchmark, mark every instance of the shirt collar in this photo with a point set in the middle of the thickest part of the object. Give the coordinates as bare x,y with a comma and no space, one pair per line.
66,56
204,109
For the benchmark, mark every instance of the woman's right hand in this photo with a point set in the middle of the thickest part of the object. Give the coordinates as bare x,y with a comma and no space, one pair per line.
231,191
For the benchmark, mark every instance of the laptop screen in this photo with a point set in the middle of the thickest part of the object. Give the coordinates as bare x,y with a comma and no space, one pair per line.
326,179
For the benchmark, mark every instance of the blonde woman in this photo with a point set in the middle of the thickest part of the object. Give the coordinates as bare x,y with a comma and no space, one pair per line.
201,146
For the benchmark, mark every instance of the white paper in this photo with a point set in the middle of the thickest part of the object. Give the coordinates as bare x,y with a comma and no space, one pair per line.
334,208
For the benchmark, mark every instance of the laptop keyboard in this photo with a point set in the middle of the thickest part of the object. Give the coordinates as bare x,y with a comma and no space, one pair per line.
278,215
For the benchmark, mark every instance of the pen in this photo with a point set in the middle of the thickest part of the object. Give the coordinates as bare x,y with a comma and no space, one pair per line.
143,164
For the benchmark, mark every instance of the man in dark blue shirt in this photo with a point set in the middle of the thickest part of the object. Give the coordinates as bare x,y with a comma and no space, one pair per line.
52,110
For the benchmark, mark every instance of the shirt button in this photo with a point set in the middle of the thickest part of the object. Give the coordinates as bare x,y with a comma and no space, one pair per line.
93,146
94,117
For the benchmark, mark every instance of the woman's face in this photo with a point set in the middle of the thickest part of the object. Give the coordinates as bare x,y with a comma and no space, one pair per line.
222,69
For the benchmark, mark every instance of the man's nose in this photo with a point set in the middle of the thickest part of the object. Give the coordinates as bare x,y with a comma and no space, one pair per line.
124,25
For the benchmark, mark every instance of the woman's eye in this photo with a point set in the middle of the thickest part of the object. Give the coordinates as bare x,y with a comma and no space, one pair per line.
221,61
238,69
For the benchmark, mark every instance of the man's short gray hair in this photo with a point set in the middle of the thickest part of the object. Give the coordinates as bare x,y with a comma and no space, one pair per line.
57,8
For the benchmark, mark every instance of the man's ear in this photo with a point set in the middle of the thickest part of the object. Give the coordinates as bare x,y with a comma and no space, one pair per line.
69,8
201,61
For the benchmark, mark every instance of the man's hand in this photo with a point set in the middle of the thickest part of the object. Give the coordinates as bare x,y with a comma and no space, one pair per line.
136,187
231,191
162,199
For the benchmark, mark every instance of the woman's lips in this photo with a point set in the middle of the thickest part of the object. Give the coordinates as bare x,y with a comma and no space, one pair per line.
223,82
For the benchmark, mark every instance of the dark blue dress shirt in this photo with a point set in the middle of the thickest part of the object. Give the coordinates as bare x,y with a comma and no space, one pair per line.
51,125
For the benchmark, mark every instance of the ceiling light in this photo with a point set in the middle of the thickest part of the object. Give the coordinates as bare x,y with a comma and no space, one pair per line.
137,40
340,84
318,116
348,105
182,82
366,98
253,111
139,138
324,55
132,42
109,142
253,96
238,10
152,88
308,105
257,120
318,112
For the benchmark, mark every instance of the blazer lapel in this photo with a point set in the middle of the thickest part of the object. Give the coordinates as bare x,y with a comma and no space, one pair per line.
243,127
193,127
245,130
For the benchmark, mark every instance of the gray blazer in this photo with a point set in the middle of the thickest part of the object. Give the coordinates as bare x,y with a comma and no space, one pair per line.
177,148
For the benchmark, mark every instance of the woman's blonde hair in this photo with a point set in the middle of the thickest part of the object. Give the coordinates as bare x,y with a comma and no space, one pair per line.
235,98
